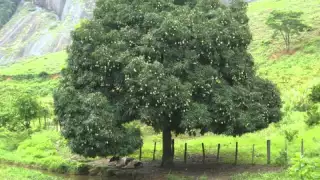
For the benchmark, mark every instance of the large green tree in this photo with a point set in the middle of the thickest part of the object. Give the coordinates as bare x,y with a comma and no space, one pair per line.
176,65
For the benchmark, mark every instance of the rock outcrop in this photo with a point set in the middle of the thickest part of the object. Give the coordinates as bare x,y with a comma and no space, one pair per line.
56,6
41,27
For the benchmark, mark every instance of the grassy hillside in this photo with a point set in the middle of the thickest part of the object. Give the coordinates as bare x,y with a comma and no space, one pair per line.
51,63
298,69
294,73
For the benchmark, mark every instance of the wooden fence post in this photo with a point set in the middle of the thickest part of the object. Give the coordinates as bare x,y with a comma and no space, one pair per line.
253,154
203,154
268,151
236,154
302,147
185,153
172,148
140,153
286,151
218,153
154,150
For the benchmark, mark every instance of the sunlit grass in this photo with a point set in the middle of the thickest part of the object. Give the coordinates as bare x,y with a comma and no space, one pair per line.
50,63
45,150
14,173
264,176
245,142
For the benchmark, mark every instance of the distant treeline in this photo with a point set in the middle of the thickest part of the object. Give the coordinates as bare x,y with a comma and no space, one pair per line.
7,9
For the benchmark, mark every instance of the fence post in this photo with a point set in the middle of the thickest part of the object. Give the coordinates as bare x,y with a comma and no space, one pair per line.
302,147
154,150
140,153
286,151
218,153
185,153
203,154
253,154
236,154
172,148
268,151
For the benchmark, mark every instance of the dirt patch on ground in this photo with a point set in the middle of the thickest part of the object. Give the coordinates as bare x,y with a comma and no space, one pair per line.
9,78
213,170
278,54
55,76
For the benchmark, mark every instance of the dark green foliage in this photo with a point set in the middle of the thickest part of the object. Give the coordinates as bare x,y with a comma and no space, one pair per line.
290,135
43,75
282,158
315,93
7,8
175,66
90,127
313,116
286,24
6,117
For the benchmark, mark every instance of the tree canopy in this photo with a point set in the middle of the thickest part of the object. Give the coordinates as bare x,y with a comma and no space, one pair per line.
286,24
176,65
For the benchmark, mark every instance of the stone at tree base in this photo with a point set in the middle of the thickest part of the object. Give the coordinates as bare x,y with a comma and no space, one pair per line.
124,161
133,164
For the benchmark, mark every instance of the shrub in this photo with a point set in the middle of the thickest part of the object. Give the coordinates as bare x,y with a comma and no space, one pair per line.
304,168
282,158
9,141
290,135
313,116
315,93
43,75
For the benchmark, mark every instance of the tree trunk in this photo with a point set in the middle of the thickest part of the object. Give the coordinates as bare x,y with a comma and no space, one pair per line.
167,159
40,122
27,123
288,42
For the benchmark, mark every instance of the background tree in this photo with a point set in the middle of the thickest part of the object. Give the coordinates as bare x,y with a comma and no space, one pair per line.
176,65
286,24
27,108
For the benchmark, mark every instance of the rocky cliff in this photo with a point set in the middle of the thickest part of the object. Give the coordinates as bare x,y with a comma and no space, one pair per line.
40,27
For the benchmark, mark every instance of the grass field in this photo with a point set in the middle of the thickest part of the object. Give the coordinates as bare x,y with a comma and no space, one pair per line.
14,173
50,63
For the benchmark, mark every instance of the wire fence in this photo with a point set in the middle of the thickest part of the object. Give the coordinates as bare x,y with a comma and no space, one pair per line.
234,152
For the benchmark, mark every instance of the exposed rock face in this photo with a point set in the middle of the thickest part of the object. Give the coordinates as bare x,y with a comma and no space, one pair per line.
53,5
41,29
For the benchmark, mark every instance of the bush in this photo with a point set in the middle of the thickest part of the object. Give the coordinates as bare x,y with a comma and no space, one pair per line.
304,168
9,141
315,93
282,158
313,116
43,75
290,135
